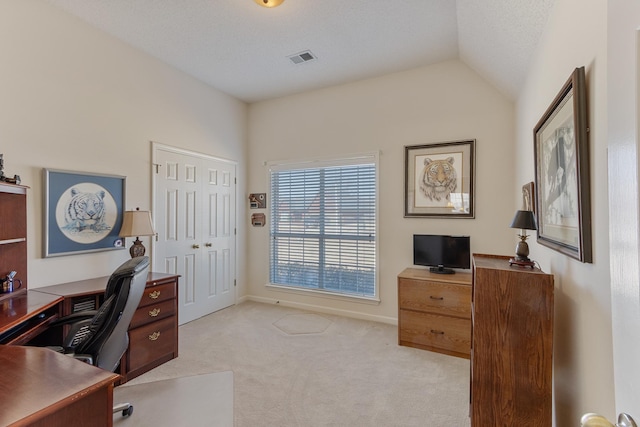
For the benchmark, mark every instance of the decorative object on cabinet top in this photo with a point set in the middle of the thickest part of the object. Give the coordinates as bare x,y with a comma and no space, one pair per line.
14,180
524,220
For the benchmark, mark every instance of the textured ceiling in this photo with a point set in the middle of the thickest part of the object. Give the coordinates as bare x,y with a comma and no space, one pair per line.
497,38
242,49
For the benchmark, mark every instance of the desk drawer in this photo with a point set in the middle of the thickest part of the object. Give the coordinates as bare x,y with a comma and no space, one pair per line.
151,342
434,332
156,294
152,313
435,297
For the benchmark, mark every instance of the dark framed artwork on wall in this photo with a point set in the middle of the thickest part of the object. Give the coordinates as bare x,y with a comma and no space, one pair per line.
563,196
82,212
438,180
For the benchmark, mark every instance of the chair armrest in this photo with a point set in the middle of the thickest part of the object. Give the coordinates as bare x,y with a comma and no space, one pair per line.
86,358
74,317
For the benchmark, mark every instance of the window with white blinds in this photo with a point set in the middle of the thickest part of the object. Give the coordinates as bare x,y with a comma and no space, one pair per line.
323,226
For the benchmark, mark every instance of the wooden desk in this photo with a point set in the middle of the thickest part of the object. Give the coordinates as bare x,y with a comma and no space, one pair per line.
153,332
40,387
79,296
25,314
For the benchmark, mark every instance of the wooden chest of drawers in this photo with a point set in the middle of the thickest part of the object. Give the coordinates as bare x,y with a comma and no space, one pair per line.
434,311
153,333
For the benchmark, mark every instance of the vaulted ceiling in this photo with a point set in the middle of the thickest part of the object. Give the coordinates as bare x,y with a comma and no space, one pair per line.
246,50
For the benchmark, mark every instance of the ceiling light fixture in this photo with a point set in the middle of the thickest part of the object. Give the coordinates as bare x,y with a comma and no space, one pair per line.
269,3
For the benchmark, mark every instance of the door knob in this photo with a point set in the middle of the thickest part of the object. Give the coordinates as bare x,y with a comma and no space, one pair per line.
595,420
208,245
196,246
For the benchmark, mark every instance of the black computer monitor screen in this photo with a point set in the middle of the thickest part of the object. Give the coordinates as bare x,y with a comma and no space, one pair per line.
442,253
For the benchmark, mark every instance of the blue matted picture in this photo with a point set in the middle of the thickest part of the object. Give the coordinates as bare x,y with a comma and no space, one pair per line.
82,212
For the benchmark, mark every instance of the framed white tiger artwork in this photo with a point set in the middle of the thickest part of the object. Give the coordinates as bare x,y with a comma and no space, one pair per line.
439,180
82,212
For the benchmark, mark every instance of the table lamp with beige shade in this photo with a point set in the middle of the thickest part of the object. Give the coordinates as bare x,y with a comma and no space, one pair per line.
135,224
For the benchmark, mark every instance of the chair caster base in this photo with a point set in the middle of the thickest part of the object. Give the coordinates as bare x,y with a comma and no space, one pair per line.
125,408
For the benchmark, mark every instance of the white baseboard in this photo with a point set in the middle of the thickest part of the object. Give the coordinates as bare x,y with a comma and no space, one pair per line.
242,299
320,309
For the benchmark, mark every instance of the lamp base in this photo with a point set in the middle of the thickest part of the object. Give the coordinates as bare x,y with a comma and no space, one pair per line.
137,249
526,262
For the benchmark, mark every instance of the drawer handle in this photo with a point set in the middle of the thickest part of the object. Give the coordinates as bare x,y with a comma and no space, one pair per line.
154,312
154,336
154,294
433,331
436,298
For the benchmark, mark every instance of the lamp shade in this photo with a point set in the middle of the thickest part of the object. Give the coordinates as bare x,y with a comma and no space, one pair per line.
137,223
269,3
525,220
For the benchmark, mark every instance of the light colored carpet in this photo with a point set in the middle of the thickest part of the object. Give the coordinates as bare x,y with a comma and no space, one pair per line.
294,368
196,401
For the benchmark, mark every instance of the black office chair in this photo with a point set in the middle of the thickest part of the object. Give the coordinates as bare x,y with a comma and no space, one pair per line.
100,337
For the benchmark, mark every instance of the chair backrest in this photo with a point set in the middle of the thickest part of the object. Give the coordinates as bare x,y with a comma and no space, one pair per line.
109,338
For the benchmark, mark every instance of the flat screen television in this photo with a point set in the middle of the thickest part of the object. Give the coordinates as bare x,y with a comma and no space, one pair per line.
441,253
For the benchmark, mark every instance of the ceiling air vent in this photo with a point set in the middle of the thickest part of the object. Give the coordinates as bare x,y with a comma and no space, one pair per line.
302,57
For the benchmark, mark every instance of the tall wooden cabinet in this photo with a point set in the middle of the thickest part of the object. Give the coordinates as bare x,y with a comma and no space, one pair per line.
511,344
13,231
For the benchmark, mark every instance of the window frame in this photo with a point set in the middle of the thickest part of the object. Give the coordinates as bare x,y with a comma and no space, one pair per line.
362,158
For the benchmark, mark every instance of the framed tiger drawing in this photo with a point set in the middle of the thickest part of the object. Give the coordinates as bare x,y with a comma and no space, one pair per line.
83,212
439,180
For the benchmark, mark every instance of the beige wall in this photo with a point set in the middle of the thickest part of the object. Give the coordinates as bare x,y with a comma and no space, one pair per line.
444,102
74,98
583,354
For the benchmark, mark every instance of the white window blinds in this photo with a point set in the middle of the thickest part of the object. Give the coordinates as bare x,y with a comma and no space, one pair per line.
323,226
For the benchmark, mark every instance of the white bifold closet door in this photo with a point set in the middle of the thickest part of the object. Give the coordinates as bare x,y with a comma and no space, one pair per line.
194,216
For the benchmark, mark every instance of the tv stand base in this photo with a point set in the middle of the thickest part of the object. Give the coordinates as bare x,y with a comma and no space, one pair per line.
441,270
